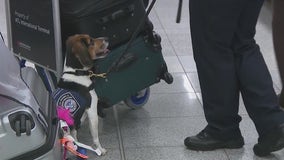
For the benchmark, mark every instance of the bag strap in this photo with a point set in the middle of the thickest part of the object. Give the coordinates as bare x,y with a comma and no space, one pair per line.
2,36
179,11
132,38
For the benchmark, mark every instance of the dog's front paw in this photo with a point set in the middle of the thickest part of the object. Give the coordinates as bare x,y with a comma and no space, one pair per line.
100,151
103,151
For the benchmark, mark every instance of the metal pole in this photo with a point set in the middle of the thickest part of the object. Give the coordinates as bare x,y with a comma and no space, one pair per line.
57,37
8,20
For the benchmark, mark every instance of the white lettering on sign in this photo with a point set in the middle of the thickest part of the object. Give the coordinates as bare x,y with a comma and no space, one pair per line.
24,20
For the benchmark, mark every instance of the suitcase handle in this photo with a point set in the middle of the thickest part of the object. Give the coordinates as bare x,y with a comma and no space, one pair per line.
125,61
117,15
21,122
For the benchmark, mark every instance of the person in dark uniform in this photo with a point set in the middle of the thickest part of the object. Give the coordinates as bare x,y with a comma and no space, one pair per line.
278,39
229,62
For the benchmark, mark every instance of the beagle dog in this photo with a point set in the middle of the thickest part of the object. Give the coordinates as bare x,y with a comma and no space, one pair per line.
81,51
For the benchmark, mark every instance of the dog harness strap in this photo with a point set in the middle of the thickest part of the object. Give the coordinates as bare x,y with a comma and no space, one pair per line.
91,87
82,90
79,72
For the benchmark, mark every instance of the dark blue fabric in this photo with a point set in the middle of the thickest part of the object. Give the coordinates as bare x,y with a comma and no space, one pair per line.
73,101
229,62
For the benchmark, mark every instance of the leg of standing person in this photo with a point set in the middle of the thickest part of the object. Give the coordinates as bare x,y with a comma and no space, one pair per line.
256,85
229,61
278,39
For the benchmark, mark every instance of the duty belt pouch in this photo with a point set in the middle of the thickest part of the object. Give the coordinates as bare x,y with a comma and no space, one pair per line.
115,19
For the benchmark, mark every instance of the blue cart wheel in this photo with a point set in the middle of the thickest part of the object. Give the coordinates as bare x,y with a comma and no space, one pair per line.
139,99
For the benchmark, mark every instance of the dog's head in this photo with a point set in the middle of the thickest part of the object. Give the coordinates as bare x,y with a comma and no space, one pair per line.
84,49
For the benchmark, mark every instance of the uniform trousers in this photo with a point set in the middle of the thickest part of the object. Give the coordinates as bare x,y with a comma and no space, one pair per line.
229,64
278,39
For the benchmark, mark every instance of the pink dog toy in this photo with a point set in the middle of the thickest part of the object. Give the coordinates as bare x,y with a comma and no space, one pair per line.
64,114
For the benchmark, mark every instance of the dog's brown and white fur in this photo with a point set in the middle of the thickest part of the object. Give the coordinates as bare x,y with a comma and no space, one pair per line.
81,50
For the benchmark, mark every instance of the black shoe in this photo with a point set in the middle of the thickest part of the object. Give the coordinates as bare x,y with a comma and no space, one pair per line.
204,142
272,142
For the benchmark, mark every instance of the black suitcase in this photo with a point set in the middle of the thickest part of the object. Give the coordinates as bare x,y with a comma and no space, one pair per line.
115,19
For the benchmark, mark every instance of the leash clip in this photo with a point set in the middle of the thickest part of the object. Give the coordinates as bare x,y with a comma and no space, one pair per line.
101,75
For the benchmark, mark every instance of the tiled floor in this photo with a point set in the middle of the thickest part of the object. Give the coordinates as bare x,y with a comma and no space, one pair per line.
157,131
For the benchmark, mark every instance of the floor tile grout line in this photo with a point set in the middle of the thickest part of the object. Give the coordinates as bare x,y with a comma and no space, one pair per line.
176,55
170,117
227,155
120,140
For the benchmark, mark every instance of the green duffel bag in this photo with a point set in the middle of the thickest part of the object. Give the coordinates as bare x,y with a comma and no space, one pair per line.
128,73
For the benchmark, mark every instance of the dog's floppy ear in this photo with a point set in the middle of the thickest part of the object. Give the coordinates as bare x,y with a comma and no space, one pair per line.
78,47
85,41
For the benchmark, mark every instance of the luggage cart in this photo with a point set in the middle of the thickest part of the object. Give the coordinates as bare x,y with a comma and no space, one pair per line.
36,34
135,61
30,129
